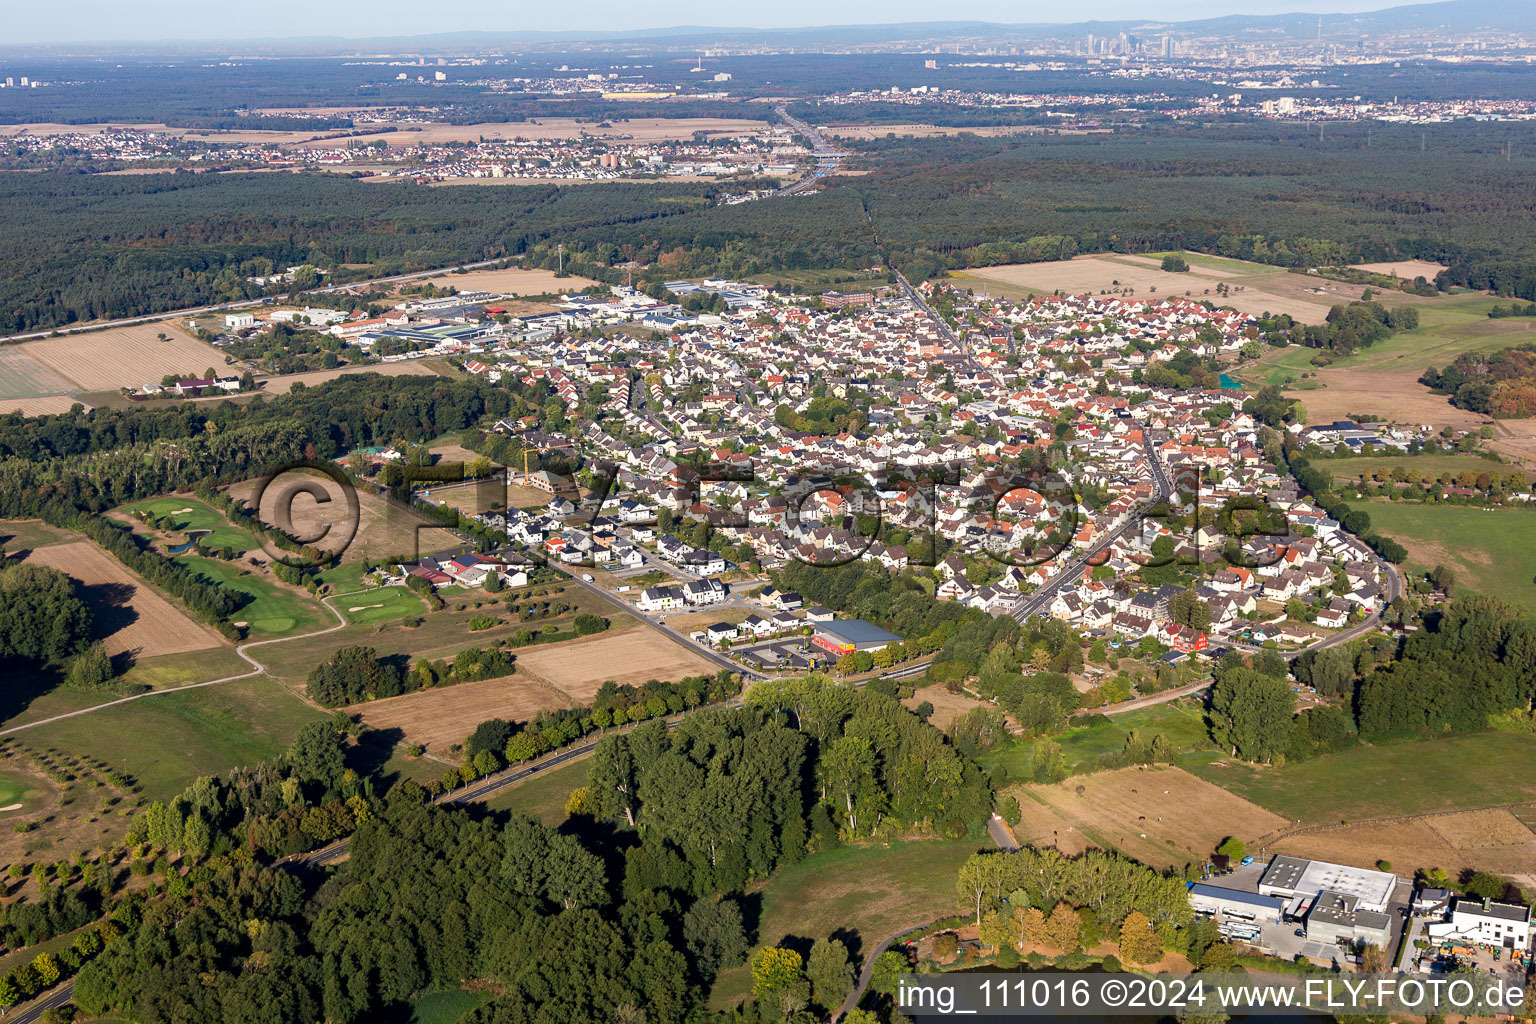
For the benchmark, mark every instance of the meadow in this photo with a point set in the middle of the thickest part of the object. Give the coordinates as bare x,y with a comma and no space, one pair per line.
1493,551
1180,721
168,740
1394,779
1431,465
860,894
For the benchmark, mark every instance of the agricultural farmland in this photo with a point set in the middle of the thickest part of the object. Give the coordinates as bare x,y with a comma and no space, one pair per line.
578,667
1161,816
440,717
107,360
131,617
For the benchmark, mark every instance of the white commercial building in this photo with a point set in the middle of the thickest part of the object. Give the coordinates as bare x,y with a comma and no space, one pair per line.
1486,923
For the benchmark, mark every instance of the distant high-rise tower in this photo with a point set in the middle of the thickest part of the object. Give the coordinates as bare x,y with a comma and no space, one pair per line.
1167,46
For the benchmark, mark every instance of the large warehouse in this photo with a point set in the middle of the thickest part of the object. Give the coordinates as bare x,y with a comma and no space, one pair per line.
844,636
1301,881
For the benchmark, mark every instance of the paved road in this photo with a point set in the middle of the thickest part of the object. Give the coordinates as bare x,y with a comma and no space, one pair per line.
1002,835
1041,599
827,156
1150,700
221,307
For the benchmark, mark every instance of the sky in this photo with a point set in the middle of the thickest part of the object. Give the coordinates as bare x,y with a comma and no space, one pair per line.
81,21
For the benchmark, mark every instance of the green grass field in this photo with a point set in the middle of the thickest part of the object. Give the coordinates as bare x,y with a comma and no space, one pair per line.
378,604
1221,263
869,891
170,670
1395,779
167,741
445,1007
30,533
1492,551
1448,326
274,610
14,789
191,514
1431,465
544,795
1083,746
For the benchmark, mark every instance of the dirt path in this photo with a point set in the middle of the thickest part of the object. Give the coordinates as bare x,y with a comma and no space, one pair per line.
257,669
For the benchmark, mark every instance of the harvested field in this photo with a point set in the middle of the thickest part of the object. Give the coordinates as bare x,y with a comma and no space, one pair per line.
511,282
49,406
23,378
1255,288
439,718
578,667
130,616
486,494
283,385
123,356
1346,392
1406,269
1163,817
383,529
1455,842
1481,828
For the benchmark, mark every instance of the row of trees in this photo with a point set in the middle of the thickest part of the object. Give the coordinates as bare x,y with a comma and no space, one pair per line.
357,673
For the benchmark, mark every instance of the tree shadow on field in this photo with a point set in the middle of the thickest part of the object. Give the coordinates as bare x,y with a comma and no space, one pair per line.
110,606
372,749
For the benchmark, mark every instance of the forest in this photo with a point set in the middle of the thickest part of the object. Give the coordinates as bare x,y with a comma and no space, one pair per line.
80,247
634,906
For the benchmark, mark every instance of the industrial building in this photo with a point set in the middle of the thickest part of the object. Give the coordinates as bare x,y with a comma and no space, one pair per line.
844,636
1238,914
1300,881
1339,919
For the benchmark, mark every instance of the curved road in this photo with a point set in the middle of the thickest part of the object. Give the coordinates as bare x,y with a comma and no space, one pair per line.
257,668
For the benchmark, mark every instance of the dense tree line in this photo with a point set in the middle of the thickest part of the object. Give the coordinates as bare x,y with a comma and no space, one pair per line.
1029,895
356,673
1501,384
44,620
212,232
559,928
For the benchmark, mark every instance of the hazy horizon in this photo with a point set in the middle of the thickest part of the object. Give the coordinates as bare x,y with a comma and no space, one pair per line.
183,21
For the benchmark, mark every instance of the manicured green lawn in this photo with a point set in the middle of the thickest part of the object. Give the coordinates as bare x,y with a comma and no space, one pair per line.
14,789
1390,780
378,604
1492,550
1084,745
167,741
191,514
273,610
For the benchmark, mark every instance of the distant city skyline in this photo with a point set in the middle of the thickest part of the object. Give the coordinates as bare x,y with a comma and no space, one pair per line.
98,21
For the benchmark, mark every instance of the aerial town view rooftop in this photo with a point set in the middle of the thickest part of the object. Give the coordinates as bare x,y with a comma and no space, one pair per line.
550,517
